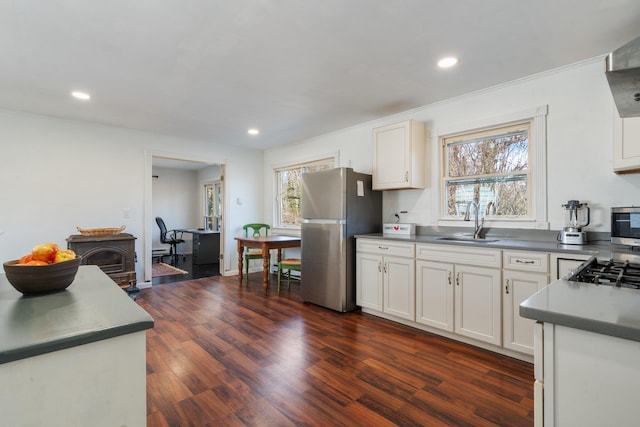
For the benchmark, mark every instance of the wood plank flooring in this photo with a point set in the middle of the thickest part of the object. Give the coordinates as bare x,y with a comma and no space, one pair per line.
224,355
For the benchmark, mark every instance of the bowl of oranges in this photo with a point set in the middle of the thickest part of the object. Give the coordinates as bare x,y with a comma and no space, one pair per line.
46,269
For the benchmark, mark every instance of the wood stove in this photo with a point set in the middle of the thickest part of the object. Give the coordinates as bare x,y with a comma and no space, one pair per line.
113,253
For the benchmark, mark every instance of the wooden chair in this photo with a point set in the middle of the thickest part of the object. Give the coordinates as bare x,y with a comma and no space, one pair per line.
253,230
290,264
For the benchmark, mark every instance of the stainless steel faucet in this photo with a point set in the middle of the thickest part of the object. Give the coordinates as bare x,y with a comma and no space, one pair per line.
478,224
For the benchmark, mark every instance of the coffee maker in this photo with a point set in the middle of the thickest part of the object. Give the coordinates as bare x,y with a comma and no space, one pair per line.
577,216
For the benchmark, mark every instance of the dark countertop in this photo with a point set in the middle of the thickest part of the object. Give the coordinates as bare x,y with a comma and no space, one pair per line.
602,309
91,309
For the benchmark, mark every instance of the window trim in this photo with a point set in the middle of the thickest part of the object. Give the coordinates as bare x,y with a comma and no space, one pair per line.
537,167
276,225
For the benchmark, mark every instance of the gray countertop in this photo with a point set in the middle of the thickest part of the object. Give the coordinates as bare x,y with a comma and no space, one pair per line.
602,309
92,308
601,249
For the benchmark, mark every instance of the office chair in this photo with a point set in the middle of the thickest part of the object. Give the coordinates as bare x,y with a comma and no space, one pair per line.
253,230
170,237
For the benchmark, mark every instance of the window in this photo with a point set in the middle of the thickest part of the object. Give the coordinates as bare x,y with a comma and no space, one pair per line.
289,190
490,167
500,167
212,206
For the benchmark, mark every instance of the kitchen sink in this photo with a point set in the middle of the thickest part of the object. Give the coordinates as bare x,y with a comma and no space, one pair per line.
465,239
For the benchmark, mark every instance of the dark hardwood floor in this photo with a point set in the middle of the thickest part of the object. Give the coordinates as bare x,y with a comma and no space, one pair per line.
195,271
224,355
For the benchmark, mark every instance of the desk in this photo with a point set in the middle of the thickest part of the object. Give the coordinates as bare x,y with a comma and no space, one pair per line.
266,243
206,245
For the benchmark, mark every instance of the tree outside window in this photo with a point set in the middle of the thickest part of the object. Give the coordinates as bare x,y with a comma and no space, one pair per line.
213,206
491,167
289,190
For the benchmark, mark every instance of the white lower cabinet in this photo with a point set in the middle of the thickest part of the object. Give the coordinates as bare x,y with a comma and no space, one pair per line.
459,298
385,281
369,281
478,312
468,292
524,274
517,330
434,294
398,284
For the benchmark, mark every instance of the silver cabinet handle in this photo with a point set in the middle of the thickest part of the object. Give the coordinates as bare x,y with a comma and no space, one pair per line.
384,248
506,286
458,279
449,278
379,266
406,176
519,261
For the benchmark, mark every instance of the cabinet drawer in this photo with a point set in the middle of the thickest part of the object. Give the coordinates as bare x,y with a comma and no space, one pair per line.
386,247
460,255
526,261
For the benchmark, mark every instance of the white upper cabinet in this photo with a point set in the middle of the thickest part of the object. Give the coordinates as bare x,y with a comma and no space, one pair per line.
399,156
626,144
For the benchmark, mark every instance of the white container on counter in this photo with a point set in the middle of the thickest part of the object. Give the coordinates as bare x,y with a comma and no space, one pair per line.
398,229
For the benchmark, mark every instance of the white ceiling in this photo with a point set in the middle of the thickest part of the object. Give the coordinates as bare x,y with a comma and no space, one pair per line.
210,69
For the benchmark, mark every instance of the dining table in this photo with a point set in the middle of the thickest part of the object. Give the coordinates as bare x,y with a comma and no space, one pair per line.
266,244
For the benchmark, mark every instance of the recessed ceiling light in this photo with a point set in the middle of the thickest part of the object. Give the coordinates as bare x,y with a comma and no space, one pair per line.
253,131
447,62
81,95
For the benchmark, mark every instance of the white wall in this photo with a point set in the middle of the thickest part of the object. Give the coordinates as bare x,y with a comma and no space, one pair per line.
579,144
57,174
175,198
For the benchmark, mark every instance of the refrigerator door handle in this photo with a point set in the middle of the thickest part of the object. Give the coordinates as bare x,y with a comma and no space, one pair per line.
324,221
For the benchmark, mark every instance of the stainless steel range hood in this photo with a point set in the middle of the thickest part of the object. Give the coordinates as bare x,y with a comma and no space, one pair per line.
623,74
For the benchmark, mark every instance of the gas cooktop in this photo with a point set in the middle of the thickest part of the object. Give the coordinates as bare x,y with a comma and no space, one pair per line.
620,273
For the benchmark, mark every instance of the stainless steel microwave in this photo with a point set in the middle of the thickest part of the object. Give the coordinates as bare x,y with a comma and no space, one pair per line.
625,226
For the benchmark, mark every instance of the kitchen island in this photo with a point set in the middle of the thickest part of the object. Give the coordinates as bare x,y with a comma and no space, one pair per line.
587,348
75,357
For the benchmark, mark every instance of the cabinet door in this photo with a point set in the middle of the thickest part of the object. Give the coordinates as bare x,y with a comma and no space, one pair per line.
478,308
517,287
399,156
399,287
434,294
626,144
391,156
369,281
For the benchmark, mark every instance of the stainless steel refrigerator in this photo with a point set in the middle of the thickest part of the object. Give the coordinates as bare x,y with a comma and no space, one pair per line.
337,204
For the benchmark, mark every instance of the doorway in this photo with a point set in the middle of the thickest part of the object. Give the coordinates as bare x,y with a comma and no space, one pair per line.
180,172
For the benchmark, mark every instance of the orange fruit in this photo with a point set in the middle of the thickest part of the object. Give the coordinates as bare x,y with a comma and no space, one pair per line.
64,255
45,252
25,259
36,263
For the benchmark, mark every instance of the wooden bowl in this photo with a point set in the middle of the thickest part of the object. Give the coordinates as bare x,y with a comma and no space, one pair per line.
41,279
